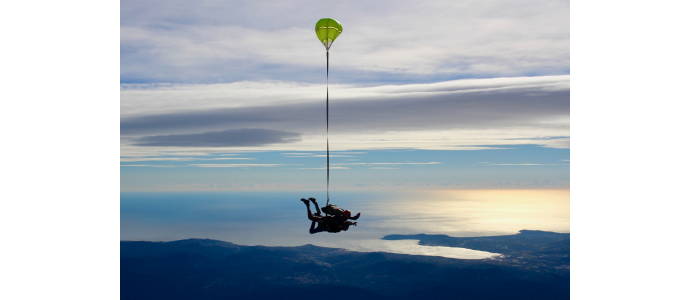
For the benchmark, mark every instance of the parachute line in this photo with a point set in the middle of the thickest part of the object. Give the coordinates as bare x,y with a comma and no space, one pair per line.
328,152
327,30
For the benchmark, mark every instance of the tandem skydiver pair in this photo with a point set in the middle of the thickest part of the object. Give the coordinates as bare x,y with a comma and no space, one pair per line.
335,220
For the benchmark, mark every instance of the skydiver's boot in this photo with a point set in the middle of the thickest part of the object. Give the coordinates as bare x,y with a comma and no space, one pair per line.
305,201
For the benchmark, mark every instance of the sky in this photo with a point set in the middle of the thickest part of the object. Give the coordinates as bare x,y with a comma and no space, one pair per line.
218,95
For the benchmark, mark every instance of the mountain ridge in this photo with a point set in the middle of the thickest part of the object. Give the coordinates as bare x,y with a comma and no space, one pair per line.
211,269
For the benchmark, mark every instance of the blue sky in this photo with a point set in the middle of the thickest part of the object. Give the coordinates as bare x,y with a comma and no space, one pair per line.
221,95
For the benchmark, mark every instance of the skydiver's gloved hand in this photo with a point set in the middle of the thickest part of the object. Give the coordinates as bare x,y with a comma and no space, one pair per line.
356,216
354,224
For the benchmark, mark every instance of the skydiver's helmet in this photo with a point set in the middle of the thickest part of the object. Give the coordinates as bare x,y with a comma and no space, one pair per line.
347,214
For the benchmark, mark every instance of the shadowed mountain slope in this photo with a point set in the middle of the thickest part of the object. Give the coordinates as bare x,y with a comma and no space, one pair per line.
209,269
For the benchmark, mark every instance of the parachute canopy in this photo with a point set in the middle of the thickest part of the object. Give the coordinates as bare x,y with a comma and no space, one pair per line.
327,30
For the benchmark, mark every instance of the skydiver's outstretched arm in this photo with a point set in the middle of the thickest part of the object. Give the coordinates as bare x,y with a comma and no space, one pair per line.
355,217
346,225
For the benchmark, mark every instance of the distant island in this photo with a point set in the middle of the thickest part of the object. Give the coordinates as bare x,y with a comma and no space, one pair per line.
533,265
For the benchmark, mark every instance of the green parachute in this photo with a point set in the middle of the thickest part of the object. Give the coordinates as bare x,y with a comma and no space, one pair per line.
327,30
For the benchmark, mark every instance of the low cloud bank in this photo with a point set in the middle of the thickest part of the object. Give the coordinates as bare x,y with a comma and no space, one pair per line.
228,138
292,116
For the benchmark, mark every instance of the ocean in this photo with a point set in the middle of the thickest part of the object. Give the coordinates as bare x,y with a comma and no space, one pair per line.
280,219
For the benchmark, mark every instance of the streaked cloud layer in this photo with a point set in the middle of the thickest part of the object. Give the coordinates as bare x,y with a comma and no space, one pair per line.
227,138
382,41
458,114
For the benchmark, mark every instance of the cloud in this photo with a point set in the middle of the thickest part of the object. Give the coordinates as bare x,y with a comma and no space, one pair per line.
148,99
237,165
137,159
320,155
536,102
229,158
212,41
334,154
528,164
563,143
475,114
394,163
324,168
227,138
151,166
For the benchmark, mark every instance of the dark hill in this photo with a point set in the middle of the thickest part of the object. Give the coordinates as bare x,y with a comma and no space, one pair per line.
208,269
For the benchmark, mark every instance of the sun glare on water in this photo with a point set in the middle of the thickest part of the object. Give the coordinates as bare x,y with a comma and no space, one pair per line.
480,212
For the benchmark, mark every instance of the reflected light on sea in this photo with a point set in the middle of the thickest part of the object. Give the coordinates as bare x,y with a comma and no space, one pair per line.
476,212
